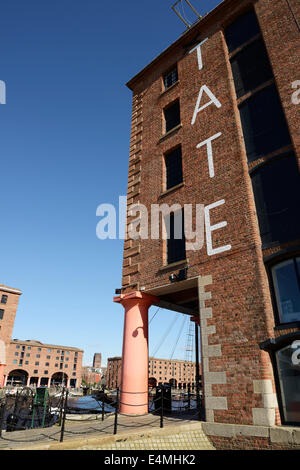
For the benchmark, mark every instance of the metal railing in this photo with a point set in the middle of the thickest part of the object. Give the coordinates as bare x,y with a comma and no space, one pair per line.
163,404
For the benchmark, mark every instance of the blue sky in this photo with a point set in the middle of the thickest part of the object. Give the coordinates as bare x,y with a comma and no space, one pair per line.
64,149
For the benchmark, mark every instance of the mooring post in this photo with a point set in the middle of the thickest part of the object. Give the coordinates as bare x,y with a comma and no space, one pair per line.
103,389
2,413
64,417
116,413
61,406
162,408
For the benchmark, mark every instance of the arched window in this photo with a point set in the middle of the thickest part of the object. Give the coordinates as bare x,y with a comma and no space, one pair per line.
286,283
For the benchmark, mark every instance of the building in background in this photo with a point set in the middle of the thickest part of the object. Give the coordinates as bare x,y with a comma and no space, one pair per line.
97,361
178,373
30,362
215,123
9,299
91,376
113,372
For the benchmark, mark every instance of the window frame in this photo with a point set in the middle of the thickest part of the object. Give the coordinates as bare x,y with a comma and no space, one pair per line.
166,74
169,239
166,108
167,157
272,346
271,263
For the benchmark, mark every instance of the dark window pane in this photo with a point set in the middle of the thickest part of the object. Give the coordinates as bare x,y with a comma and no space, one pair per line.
173,162
287,290
172,116
276,188
251,68
288,367
176,240
242,30
1,313
264,125
170,78
4,299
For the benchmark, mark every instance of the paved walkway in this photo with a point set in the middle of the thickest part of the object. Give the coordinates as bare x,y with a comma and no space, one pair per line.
181,431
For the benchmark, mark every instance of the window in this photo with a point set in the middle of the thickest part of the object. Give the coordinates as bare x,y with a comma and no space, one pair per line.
36,363
45,372
1,313
4,299
172,116
251,67
46,363
287,362
170,77
276,208
15,361
263,121
35,371
173,162
48,357
286,281
176,239
16,353
242,30
264,126
38,355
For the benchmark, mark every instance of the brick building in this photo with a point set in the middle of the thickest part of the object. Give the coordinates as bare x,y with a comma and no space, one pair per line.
215,122
9,299
97,361
31,362
175,372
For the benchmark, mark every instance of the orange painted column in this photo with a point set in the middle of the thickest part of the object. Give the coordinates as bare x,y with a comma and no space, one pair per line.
2,368
134,381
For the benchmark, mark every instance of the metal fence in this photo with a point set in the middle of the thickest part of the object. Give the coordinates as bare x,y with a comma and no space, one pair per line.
56,416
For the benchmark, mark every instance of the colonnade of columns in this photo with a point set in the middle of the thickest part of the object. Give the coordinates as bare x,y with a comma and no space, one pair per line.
37,383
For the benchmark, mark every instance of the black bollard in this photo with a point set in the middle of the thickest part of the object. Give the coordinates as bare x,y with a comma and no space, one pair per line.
116,413
64,417
103,389
2,414
162,408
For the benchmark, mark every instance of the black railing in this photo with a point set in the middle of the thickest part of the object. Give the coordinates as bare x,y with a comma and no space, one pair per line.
163,404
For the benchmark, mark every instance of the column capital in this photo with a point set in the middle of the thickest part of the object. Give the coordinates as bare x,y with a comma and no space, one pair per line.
138,296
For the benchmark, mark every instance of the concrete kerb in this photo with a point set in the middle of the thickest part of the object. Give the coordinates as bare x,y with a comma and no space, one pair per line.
75,443
283,435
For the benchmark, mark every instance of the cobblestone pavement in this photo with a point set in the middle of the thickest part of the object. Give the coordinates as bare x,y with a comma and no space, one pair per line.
89,432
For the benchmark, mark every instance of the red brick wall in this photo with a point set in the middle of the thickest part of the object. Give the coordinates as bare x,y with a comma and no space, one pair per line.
240,294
